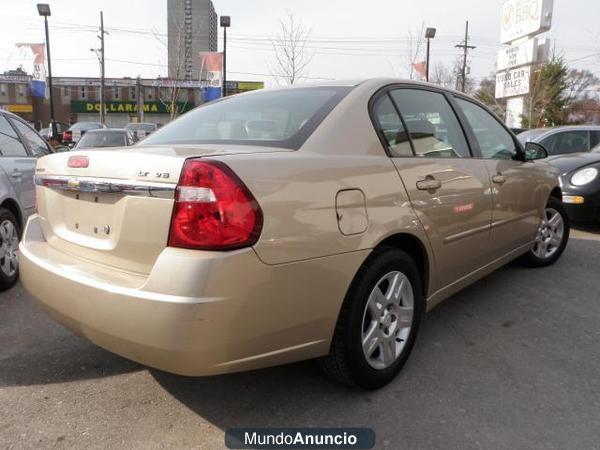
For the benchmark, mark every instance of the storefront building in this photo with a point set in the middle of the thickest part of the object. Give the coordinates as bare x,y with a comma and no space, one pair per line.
14,93
127,100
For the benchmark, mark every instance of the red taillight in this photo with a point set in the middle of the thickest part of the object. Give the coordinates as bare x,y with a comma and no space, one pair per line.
213,209
78,162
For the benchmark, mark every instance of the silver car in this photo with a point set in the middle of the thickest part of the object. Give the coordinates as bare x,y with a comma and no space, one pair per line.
564,139
20,146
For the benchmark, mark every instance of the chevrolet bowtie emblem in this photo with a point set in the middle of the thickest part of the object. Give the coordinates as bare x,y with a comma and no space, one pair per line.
73,183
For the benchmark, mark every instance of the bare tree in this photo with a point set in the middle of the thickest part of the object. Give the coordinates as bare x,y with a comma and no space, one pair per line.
291,59
443,76
415,40
170,89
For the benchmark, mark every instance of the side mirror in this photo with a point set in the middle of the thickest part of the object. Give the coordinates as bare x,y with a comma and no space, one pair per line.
534,151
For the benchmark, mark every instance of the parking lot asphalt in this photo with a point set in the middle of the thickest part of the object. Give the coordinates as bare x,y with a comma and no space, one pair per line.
511,362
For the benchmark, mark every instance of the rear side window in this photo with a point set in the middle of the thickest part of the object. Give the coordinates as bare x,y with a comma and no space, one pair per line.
390,126
9,142
433,127
280,118
37,145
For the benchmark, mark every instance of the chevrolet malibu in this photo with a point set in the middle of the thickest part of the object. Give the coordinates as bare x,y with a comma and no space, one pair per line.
288,224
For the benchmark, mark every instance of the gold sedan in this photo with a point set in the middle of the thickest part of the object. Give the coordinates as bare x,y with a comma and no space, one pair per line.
287,224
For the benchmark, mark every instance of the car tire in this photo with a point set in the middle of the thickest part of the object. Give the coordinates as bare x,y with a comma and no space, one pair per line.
9,243
552,237
363,319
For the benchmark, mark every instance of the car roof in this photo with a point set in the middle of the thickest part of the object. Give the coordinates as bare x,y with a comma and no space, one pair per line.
107,130
545,132
372,84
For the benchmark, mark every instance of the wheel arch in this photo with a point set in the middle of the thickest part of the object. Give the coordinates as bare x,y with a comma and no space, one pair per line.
12,205
415,248
556,193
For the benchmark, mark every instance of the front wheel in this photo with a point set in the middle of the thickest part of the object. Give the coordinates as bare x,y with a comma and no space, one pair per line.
552,236
378,322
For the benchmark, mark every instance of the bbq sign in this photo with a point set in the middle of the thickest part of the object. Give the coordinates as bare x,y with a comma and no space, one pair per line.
513,82
521,18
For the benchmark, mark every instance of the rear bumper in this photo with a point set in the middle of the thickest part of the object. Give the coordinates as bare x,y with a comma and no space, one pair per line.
197,313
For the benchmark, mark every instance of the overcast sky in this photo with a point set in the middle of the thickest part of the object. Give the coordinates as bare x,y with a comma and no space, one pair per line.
349,38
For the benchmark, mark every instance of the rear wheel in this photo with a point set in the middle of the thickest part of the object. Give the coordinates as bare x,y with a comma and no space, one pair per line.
378,322
552,236
9,244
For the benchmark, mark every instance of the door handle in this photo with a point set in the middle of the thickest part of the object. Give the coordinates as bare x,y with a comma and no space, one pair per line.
429,184
16,174
499,179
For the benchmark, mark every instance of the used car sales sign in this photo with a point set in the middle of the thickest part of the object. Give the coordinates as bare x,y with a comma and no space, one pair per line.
513,82
522,18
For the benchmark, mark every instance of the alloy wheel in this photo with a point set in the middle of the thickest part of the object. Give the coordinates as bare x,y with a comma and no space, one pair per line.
9,244
550,234
387,320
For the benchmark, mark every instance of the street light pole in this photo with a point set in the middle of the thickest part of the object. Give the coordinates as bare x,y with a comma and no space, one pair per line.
44,10
429,34
225,23
102,92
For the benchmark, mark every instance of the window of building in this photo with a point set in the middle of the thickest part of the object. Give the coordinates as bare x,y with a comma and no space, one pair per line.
116,92
149,94
21,93
3,89
82,92
66,91
132,95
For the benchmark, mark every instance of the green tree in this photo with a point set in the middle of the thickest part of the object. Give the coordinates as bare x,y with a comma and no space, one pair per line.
549,95
486,94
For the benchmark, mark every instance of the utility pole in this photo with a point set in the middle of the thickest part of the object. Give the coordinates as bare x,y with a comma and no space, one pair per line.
139,93
466,47
102,93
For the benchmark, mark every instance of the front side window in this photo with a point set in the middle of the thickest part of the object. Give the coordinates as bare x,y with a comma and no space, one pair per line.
36,144
390,126
574,141
433,127
495,142
280,118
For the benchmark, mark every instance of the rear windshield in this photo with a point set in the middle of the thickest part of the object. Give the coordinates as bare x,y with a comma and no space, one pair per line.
279,118
102,139
85,126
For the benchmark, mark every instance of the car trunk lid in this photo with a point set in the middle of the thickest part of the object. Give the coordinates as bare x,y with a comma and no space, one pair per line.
117,210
